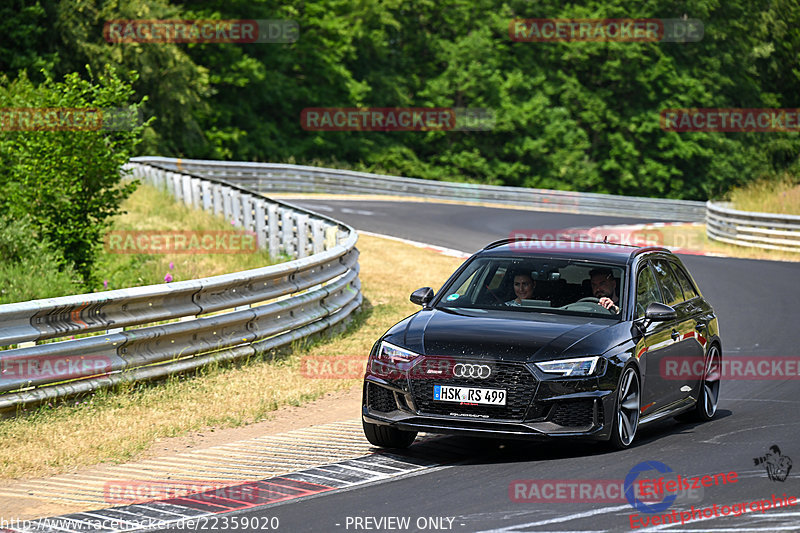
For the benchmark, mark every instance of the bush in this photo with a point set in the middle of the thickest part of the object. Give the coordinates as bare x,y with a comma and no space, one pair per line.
31,267
67,182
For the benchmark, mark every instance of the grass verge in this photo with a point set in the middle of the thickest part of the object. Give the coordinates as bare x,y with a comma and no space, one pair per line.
120,425
150,209
769,196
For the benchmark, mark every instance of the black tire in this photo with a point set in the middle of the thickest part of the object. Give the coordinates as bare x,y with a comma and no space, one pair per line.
706,406
626,410
387,437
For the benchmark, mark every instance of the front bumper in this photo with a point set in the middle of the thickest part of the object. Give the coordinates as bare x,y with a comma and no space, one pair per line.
539,406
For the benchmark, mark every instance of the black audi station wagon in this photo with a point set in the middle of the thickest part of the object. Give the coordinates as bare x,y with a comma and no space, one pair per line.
547,339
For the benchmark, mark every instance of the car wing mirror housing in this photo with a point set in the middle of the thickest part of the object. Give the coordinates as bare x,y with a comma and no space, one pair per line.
422,296
658,312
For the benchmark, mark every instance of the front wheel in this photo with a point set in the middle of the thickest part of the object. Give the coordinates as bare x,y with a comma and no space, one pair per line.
386,436
626,415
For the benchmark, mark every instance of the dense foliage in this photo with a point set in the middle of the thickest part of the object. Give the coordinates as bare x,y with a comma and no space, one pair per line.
30,265
570,115
66,185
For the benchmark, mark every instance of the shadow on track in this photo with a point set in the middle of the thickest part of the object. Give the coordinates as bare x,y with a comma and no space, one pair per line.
475,450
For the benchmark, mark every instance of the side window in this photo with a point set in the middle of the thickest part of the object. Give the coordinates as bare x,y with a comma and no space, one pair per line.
670,288
683,279
462,290
497,278
646,291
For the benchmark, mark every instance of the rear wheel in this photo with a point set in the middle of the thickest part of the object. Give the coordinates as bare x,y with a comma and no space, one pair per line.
626,415
706,406
388,437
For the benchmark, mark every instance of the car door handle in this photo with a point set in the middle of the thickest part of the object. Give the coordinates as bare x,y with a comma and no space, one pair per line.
700,325
675,335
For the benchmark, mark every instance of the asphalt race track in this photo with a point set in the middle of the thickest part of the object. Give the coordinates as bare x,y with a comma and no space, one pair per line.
469,491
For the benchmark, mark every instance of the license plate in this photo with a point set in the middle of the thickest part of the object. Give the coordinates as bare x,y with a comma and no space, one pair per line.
446,393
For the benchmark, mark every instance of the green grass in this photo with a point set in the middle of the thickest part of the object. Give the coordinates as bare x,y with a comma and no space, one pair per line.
150,209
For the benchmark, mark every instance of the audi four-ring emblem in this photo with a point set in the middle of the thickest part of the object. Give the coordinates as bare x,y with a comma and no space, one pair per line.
465,370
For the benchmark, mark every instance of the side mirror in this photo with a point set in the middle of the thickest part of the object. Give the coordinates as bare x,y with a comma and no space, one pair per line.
658,312
422,296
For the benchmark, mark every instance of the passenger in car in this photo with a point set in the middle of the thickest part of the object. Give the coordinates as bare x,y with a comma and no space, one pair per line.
523,288
604,287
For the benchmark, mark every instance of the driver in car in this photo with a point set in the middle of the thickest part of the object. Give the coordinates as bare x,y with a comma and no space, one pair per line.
604,287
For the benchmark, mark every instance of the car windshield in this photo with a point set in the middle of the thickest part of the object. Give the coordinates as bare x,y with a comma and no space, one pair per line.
540,285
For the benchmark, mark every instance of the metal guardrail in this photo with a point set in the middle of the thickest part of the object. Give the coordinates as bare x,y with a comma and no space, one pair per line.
271,178
745,228
222,318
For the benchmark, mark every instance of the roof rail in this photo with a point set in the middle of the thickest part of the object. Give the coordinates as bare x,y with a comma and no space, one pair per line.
647,249
501,242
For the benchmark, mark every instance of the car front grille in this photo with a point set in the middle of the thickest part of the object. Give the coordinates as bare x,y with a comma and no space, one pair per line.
516,379
380,398
573,413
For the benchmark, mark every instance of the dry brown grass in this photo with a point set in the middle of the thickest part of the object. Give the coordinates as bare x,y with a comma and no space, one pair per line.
118,426
782,196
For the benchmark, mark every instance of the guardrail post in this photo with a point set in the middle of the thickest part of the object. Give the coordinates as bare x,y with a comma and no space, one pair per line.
247,213
302,235
158,178
227,203
331,233
287,232
175,184
186,189
236,207
317,236
272,230
261,225
219,202
205,191
196,195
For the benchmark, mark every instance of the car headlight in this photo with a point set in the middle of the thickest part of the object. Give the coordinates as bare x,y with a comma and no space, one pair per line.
584,366
389,353
391,362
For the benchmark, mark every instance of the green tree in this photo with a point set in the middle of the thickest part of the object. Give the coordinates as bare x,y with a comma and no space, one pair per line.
68,182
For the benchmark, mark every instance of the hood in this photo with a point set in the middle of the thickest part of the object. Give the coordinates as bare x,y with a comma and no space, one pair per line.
501,337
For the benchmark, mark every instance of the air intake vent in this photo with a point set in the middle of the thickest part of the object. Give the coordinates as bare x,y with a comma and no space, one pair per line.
380,399
573,413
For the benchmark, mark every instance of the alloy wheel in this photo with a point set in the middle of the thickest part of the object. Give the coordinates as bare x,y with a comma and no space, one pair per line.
711,381
628,409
